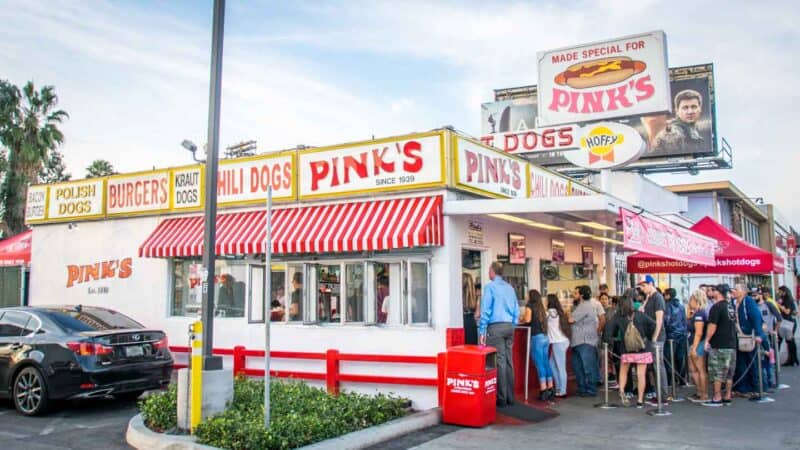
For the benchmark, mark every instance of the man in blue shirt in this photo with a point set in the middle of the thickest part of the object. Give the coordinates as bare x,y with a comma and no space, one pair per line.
750,321
499,314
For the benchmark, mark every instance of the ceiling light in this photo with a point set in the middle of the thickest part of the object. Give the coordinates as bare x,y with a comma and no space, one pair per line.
609,240
544,226
523,221
596,226
577,233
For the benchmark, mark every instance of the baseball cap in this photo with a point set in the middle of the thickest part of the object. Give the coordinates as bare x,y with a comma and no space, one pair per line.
646,279
723,288
755,291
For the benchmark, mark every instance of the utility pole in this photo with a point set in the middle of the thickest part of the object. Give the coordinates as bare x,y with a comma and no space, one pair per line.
211,362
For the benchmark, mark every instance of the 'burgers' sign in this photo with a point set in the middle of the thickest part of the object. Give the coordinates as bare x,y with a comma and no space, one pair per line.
616,78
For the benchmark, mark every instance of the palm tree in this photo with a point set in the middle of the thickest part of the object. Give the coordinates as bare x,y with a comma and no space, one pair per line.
29,130
99,168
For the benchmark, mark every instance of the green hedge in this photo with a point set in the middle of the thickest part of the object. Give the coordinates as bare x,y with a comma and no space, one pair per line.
300,415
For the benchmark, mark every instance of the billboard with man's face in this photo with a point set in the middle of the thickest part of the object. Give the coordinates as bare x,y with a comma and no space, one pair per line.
689,131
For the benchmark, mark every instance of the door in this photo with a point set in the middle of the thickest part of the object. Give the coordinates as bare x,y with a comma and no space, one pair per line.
12,327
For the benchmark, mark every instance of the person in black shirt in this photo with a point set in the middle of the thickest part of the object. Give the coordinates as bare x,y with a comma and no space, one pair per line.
788,310
536,317
721,345
641,357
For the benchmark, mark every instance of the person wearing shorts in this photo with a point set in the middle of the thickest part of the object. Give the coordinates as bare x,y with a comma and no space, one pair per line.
721,346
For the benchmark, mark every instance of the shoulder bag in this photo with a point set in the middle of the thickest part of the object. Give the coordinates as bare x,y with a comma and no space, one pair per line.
747,342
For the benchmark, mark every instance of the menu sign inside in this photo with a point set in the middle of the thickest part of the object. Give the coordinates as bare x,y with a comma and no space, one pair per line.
489,171
77,199
384,165
247,180
147,192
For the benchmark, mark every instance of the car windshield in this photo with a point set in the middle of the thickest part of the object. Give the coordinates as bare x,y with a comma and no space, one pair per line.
91,319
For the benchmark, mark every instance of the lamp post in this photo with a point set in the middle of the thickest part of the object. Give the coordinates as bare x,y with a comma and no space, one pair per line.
211,362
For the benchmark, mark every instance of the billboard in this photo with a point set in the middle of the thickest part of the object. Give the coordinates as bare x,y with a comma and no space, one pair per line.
689,131
614,78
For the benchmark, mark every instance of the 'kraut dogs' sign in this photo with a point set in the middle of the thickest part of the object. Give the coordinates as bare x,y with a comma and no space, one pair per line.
77,199
489,171
147,192
385,165
616,78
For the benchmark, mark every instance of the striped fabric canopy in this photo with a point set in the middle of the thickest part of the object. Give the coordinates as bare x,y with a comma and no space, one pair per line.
337,228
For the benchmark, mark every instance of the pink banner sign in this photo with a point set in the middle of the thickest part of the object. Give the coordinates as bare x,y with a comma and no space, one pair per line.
669,241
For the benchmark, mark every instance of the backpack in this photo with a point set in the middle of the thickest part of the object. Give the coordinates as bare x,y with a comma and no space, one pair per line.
633,339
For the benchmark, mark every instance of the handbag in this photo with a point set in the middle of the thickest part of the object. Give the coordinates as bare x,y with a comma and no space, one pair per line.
747,342
786,329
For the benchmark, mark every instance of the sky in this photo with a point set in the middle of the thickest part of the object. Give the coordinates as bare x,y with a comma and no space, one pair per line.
133,75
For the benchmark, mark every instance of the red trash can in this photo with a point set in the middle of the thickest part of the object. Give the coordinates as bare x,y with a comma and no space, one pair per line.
470,387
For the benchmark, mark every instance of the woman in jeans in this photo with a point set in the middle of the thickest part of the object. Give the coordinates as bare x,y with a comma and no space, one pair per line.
697,316
536,317
788,309
558,332
470,305
641,357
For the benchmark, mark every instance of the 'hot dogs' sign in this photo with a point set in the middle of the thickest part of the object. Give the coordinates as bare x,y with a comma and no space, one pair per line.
615,78
400,163
78,199
488,171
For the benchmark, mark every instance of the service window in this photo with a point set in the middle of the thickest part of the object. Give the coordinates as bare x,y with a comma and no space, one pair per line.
388,283
294,272
329,293
354,292
230,288
256,308
419,292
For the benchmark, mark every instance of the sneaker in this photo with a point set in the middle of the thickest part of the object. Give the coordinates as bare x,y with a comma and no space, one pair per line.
639,405
650,395
713,403
726,402
613,385
629,395
694,398
653,402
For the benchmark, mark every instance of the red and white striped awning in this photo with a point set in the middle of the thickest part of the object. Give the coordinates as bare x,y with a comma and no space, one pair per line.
345,227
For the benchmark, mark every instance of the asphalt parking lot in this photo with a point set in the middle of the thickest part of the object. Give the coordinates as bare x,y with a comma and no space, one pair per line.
96,424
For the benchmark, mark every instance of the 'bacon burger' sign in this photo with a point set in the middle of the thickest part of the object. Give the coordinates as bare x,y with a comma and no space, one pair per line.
617,78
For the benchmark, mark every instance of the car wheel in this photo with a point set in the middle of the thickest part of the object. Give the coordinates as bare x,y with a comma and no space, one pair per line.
133,395
30,392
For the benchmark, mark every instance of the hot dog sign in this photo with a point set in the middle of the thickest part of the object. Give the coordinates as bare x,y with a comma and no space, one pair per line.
617,78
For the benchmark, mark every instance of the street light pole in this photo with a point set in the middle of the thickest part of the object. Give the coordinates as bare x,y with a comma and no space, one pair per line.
211,362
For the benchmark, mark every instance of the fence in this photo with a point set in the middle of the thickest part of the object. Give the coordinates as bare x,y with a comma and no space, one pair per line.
332,375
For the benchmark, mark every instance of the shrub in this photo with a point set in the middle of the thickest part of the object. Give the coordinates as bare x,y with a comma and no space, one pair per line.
299,415
160,411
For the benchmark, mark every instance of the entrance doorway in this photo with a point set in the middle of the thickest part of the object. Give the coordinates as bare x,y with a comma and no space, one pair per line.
471,270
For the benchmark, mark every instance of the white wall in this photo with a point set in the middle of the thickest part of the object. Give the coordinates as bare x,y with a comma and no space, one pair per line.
638,190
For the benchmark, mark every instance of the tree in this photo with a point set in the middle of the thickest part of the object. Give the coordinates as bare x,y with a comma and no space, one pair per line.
99,168
29,130
54,170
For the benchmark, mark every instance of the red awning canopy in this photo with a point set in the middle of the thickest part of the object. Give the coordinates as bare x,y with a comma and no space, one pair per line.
345,227
733,256
16,251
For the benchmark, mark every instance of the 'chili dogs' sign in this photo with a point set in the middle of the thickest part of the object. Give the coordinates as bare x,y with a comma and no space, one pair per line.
488,171
615,78
77,199
146,192
246,180
404,162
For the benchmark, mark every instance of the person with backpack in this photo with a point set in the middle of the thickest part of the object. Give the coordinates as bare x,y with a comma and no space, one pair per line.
675,325
634,326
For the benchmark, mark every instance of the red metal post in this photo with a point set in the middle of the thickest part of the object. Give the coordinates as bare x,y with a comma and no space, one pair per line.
440,375
239,360
332,372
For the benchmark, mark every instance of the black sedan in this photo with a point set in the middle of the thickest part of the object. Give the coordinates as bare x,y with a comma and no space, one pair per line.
73,352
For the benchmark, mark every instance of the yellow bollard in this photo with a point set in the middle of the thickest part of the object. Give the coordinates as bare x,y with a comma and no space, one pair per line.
196,376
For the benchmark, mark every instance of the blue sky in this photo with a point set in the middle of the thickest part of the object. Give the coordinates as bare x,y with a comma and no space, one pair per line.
134,75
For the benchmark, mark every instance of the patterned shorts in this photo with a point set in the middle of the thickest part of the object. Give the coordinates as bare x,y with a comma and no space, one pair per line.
721,364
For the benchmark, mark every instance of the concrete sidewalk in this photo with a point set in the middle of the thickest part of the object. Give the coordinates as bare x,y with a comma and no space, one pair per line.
744,425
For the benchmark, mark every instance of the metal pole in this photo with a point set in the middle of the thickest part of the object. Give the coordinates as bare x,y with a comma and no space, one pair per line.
675,397
605,404
660,411
196,374
761,397
267,304
211,362
528,364
777,350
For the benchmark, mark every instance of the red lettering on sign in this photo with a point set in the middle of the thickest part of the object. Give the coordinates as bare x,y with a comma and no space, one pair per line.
605,99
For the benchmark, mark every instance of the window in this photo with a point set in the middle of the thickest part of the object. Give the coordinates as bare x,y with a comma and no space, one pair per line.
419,295
750,231
278,294
256,314
296,299
75,320
13,324
229,288
329,292
388,293
354,292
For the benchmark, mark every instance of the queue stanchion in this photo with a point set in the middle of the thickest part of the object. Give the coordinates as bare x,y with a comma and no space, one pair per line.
777,350
660,411
761,397
675,397
605,404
